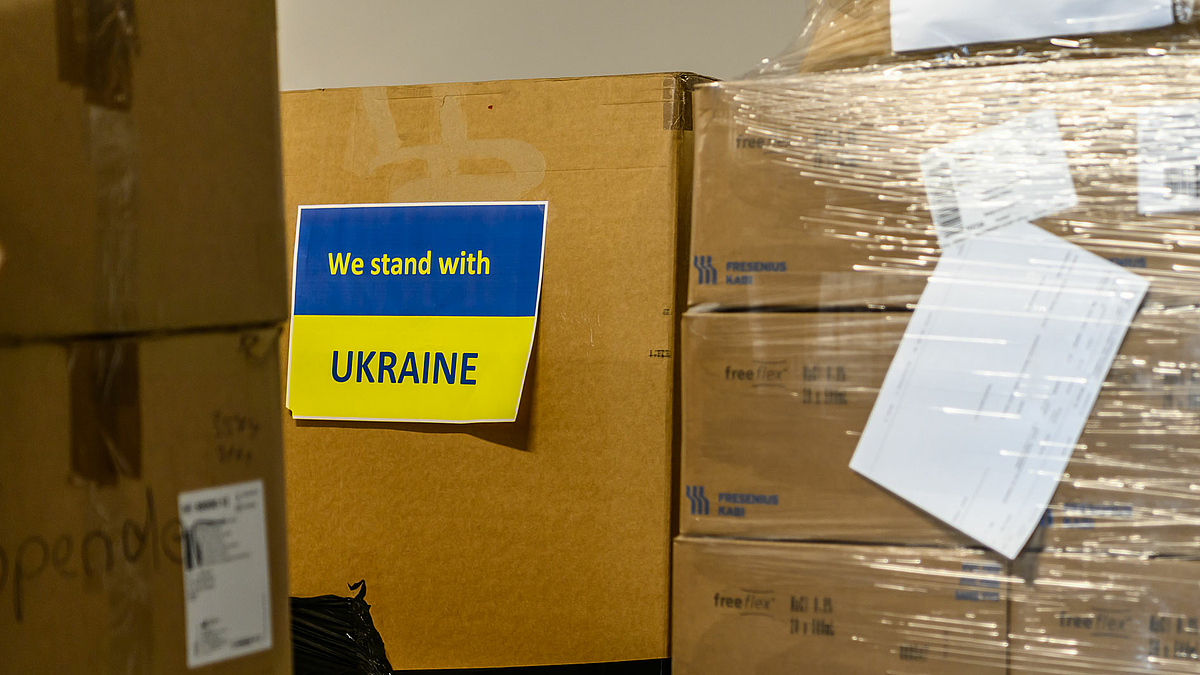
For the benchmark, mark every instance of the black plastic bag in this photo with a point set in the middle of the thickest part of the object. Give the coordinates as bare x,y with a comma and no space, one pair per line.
333,635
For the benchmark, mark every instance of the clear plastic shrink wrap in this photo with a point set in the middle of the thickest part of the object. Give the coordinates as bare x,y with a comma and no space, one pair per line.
775,404
781,608
830,184
839,34
811,190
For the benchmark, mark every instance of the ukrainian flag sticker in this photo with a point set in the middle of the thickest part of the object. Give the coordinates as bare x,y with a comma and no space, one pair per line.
414,312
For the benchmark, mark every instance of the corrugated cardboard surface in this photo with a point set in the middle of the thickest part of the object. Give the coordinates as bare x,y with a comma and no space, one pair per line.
774,404
759,607
88,473
140,188
773,407
1096,614
547,540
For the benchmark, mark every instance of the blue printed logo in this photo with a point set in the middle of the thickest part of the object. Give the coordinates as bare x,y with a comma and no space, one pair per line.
1135,262
695,494
979,576
704,265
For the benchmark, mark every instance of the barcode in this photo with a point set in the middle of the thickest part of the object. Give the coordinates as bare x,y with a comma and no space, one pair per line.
943,202
191,550
1182,182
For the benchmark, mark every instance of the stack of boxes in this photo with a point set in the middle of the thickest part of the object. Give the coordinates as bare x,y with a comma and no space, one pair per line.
142,287
812,243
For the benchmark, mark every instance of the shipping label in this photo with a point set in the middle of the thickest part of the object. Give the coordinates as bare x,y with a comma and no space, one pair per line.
226,572
1169,159
1010,173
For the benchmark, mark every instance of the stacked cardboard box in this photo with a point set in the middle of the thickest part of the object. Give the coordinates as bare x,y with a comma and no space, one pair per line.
813,240
771,607
547,540
774,404
765,607
142,284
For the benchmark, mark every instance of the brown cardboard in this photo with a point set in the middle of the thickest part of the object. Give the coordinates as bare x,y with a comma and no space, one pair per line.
1128,492
760,226
90,468
140,189
854,33
809,191
1096,614
774,404
545,541
759,607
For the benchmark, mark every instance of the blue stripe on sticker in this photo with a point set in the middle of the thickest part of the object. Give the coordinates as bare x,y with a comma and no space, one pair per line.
419,260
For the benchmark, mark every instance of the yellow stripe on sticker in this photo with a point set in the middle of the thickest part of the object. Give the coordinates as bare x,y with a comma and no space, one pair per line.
411,369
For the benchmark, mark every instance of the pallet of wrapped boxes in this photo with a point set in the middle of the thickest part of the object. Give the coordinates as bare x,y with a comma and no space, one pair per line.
820,216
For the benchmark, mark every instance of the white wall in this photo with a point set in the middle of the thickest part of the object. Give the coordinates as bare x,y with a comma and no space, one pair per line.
349,43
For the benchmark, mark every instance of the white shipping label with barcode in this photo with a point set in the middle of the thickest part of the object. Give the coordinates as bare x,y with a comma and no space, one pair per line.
928,24
1009,173
226,577
1169,159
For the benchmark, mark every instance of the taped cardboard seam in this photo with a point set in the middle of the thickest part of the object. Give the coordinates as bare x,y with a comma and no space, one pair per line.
106,442
97,43
677,100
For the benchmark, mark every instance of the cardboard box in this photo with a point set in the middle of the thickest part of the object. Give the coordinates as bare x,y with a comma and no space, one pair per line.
141,184
99,439
775,403
742,606
773,406
1096,614
545,541
809,190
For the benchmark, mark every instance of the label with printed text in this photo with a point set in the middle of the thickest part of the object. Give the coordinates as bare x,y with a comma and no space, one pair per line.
927,24
1010,173
226,572
1169,159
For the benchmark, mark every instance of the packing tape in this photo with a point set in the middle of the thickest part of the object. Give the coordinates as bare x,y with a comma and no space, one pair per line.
106,442
106,448
677,102
97,42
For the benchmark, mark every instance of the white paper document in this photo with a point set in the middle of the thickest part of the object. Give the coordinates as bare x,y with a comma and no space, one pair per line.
1010,173
994,379
1169,159
226,574
927,24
